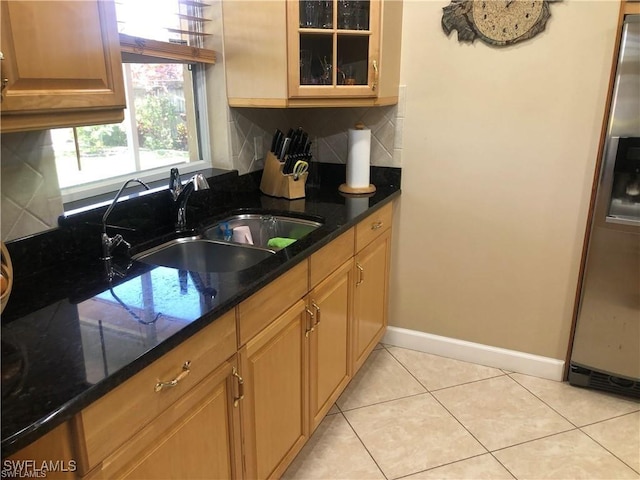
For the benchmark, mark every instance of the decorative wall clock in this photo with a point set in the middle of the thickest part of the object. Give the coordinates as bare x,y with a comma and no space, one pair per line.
496,22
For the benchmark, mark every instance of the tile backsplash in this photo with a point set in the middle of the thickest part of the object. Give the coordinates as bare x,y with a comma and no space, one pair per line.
251,130
30,195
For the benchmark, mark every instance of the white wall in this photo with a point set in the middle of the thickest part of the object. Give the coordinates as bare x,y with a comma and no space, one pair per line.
499,151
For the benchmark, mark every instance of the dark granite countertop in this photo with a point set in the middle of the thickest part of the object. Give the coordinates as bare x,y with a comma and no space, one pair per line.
69,336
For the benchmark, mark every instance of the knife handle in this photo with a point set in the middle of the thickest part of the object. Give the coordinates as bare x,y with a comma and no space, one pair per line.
276,140
285,148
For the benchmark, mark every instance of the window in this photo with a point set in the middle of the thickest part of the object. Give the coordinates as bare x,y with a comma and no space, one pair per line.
165,120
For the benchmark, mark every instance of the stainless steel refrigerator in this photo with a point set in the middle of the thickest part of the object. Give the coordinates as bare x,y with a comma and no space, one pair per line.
606,348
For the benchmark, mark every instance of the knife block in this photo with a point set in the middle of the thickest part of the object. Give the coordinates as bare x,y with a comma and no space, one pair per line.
278,184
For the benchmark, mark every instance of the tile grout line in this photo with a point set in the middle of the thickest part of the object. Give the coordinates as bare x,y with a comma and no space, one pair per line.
393,399
491,452
453,463
533,440
580,427
612,418
453,416
597,442
573,427
532,393
450,386
364,445
382,402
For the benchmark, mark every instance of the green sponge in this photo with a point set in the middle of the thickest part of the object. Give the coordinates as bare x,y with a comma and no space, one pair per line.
280,242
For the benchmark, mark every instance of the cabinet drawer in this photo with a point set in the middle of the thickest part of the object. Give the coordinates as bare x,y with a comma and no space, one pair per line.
200,425
256,312
330,257
373,226
112,420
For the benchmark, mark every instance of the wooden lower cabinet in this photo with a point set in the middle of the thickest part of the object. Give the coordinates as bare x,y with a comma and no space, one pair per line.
197,437
55,450
370,297
274,408
329,348
263,376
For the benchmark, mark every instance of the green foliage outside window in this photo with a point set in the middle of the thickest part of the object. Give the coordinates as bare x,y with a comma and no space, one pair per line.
96,139
159,123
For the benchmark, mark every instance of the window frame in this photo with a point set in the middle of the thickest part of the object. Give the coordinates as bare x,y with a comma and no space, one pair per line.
82,194
136,49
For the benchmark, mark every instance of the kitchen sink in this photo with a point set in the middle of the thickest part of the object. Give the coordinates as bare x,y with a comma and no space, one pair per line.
263,227
204,255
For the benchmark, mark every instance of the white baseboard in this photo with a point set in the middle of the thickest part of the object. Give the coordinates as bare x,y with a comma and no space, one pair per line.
512,360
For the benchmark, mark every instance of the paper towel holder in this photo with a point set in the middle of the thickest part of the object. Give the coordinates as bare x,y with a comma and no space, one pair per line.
344,188
348,189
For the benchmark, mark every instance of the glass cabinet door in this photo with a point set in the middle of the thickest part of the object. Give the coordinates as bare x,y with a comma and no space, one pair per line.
334,48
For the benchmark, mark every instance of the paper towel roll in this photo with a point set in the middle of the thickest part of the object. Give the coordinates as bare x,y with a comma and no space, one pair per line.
359,157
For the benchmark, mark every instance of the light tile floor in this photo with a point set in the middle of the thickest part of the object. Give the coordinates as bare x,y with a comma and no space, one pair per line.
413,415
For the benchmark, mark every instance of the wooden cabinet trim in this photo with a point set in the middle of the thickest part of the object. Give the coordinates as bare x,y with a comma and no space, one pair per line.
290,326
256,312
631,8
330,257
373,226
364,305
29,122
324,346
55,446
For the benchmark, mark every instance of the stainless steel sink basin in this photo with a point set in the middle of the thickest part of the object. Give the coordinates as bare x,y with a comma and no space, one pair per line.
264,227
203,255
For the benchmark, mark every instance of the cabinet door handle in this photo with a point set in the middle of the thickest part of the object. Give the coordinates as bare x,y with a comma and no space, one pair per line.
313,324
360,274
376,225
3,82
375,77
186,369
315,305
240,396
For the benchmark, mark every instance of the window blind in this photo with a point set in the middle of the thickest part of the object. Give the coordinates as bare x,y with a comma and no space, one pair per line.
164,31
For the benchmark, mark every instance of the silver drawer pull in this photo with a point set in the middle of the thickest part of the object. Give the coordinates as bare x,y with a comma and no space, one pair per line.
376,225
172,383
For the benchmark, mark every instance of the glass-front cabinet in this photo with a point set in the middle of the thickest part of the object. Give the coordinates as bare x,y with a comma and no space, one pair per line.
312,53
334,48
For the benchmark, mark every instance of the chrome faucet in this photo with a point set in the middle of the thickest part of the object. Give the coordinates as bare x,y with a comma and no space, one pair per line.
181,194
109,243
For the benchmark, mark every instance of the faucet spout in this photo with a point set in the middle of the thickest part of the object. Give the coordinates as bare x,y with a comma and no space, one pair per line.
175,184
195,183
115,200
110,243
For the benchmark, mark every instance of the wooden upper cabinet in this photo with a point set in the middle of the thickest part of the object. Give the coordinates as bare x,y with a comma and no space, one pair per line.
312,53
61,64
